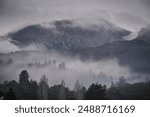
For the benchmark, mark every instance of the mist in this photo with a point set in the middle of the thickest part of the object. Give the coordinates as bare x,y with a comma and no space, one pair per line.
129,14
57,67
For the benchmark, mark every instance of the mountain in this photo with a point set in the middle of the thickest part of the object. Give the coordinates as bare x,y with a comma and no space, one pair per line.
134,54
144,34
97,42
66,34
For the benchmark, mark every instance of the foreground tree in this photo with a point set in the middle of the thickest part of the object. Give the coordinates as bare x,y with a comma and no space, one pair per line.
96,92
43,88
10,95
24,78
79,90
62,93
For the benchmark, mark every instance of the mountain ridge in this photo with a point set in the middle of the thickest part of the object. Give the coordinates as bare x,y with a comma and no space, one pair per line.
144,34
67,35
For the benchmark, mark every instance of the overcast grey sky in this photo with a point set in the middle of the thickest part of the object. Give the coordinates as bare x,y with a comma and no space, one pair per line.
130,14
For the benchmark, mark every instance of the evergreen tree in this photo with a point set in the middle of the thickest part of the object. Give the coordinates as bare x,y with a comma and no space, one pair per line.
62,93
79,90
24,78
96,92
43,88
10,95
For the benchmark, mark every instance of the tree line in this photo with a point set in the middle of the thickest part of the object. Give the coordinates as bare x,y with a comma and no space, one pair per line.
27,89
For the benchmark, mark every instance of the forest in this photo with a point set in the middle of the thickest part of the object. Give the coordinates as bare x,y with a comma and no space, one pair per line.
27,89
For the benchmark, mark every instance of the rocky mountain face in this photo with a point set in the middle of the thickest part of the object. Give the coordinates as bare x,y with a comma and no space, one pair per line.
134,54
67,35
144,34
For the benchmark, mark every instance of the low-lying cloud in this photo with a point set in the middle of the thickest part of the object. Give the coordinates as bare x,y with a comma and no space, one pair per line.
57,67
6,46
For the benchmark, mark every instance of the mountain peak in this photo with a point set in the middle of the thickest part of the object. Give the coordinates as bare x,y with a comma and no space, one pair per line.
67,34
63,23
56,23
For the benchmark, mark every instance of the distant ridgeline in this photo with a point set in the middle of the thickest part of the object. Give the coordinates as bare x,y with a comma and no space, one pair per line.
31,90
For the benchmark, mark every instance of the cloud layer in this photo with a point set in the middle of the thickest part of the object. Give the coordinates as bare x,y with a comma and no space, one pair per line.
131,14
57,67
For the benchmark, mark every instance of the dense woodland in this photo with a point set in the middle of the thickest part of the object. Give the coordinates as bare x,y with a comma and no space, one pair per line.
27,89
